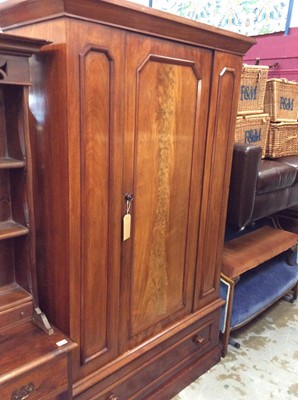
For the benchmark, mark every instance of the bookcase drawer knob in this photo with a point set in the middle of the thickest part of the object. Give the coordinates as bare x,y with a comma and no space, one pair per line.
23,393
199,340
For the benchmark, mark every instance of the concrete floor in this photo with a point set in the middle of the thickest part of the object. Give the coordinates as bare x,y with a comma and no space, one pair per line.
264,368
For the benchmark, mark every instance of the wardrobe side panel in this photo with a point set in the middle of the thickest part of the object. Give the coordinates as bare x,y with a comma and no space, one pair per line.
221,124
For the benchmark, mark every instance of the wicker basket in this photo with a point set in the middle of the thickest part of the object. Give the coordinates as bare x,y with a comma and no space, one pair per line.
281,100
282,140
252,89
253,129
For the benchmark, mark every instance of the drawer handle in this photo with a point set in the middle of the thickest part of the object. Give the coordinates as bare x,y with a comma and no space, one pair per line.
23,393
113,397
199,340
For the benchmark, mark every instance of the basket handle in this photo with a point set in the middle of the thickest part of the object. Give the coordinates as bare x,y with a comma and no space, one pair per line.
291,137
259,76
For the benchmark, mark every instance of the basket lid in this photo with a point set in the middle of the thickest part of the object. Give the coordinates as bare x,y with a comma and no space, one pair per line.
281,124
256,67
263,116
282,80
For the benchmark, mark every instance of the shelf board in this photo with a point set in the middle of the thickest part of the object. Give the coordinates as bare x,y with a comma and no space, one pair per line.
11,229
8,163
13,295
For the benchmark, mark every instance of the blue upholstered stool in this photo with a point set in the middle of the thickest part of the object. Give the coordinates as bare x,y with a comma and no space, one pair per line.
256,290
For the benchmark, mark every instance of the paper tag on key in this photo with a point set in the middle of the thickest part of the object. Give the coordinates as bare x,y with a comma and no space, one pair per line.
126,226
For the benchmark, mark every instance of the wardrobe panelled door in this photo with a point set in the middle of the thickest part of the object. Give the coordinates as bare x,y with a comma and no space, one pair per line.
166,123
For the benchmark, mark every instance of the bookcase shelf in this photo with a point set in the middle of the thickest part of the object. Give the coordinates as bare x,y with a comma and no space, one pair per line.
13,295
11,163
11,229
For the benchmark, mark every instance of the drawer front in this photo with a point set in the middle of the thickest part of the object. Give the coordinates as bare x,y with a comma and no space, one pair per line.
153,369
165,365
44,382
18,314
17,68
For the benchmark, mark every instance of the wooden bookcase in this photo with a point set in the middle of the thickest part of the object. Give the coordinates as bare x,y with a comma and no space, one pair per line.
18,292
34,362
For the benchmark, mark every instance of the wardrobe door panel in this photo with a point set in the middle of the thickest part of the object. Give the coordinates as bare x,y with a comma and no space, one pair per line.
225,85
162,189
95,201
99,283
168,92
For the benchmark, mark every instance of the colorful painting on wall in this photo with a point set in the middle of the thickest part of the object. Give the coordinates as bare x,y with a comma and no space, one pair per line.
248,17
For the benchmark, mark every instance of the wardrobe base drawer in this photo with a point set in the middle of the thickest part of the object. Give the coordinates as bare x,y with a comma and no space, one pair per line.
168,368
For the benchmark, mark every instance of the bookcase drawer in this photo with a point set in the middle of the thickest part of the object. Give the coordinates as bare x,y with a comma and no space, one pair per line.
44,382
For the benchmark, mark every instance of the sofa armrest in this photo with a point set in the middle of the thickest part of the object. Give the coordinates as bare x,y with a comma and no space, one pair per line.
244,175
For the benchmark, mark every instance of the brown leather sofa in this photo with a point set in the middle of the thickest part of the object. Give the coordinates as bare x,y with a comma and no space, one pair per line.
260,187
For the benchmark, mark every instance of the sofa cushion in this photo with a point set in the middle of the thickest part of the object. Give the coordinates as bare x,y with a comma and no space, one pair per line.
275,176
292,161
270,203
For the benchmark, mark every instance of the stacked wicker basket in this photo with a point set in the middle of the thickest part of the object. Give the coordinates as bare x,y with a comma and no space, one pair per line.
252,124
281,103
